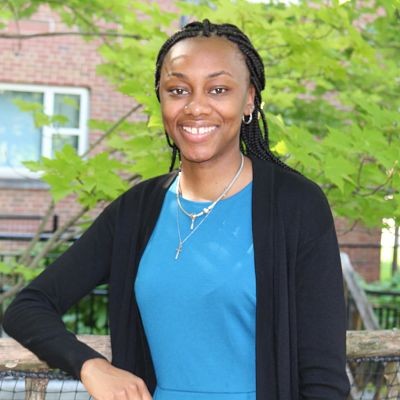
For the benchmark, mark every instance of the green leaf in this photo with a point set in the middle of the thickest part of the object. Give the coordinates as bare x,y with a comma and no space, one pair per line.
337,170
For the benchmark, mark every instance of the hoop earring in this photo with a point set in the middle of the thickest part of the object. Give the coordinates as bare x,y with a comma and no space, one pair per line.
247,121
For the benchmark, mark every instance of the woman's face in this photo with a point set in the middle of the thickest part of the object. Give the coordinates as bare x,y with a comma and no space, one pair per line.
204,92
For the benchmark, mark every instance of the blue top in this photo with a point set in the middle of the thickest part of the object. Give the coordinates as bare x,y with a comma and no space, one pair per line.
198,311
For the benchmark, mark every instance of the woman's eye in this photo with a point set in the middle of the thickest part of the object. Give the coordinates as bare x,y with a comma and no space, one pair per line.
218,90
178,91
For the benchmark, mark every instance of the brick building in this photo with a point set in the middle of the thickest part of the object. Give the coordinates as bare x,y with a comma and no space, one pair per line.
60,73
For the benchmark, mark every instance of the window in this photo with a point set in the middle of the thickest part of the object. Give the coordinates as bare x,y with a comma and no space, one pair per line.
20,138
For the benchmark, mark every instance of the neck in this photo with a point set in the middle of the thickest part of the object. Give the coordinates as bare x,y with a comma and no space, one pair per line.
206,181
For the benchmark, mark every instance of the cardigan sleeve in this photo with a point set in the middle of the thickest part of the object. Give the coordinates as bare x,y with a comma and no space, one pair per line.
321,315
34,318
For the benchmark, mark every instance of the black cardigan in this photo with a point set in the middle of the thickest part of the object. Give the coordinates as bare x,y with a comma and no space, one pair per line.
300,312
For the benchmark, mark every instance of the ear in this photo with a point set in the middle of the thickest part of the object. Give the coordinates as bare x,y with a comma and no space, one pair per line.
249,108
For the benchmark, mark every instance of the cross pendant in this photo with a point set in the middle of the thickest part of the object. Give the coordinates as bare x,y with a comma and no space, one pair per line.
178,251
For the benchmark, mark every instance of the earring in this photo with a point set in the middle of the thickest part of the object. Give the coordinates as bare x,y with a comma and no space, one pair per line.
247,121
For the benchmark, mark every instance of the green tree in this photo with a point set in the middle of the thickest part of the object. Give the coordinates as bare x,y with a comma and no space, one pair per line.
331,99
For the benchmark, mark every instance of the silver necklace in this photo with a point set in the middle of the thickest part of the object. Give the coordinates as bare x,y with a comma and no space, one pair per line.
181,242
206,211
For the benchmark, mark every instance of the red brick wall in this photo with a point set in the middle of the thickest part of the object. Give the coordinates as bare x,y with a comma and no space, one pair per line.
59,61
362,246
54,61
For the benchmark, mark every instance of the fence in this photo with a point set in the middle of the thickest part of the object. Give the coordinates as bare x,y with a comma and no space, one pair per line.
24,377
386,305
90,315
373,369
369,309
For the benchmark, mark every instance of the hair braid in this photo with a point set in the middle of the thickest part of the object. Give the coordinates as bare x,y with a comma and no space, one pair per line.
254,139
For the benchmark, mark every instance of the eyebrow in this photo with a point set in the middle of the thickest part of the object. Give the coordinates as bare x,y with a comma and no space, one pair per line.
212,75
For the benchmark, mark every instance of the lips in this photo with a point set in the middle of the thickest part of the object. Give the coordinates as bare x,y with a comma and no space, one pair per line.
199,130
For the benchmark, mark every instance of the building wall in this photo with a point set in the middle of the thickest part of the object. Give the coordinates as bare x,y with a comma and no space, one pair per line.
363,247
53,61
71,61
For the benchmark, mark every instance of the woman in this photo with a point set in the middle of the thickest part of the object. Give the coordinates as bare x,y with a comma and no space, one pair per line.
224,279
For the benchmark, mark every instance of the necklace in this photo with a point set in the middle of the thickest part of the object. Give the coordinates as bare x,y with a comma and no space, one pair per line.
206,211
192,231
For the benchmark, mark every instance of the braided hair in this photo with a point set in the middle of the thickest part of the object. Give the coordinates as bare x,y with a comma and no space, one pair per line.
254,138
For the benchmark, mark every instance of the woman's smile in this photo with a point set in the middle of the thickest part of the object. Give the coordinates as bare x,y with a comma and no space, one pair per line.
199,131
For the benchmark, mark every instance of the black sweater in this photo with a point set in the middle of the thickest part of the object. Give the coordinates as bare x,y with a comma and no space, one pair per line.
300,312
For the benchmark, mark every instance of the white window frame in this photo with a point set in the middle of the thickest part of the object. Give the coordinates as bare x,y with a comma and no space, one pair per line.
49,93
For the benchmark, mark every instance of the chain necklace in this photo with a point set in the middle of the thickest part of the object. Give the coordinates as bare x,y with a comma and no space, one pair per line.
208,209
205,212
181,242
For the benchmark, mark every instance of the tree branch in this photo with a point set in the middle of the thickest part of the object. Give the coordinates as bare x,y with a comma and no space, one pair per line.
110,130
54,238
68,33
360,170
13,290
16,20
350,229
26,254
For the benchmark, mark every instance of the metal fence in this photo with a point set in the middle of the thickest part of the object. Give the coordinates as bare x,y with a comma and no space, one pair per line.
90,315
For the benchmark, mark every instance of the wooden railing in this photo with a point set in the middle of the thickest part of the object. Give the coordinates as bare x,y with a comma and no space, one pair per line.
360,345
14,357
360,312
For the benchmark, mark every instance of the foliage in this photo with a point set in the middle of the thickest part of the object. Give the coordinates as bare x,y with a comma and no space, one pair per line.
331,100
12,268
392,284
89,316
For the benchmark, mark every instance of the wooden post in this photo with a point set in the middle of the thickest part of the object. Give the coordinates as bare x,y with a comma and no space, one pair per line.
35,388
363,306
392,376
395,265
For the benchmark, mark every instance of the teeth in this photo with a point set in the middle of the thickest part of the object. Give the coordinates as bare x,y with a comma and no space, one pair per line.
198,131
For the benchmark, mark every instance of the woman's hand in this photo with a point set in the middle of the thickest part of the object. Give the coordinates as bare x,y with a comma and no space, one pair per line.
105,382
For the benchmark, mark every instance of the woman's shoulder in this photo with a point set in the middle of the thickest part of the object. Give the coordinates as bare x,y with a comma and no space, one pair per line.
151,185
287,184
297,199
143,193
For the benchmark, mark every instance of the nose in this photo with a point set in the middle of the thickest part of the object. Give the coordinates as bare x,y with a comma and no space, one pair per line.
197,106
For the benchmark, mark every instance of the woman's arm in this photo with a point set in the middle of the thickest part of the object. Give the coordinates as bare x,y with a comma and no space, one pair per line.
321,317
35,316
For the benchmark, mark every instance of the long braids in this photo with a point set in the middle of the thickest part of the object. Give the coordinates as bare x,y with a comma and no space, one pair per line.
254,138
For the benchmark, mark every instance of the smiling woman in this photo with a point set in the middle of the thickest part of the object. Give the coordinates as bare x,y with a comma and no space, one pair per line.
204,91
224,276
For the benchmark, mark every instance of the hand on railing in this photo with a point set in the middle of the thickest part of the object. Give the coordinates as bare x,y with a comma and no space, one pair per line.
106,382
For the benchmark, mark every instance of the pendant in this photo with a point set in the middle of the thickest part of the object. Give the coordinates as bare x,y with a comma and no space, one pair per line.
192,224
178,250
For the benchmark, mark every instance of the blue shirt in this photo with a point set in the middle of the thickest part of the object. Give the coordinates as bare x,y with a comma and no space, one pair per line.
198,311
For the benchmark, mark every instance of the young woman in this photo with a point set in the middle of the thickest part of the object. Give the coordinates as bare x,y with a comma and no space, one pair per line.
224,278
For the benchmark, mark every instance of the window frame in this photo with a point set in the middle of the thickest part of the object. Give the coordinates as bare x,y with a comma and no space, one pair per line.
49,92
